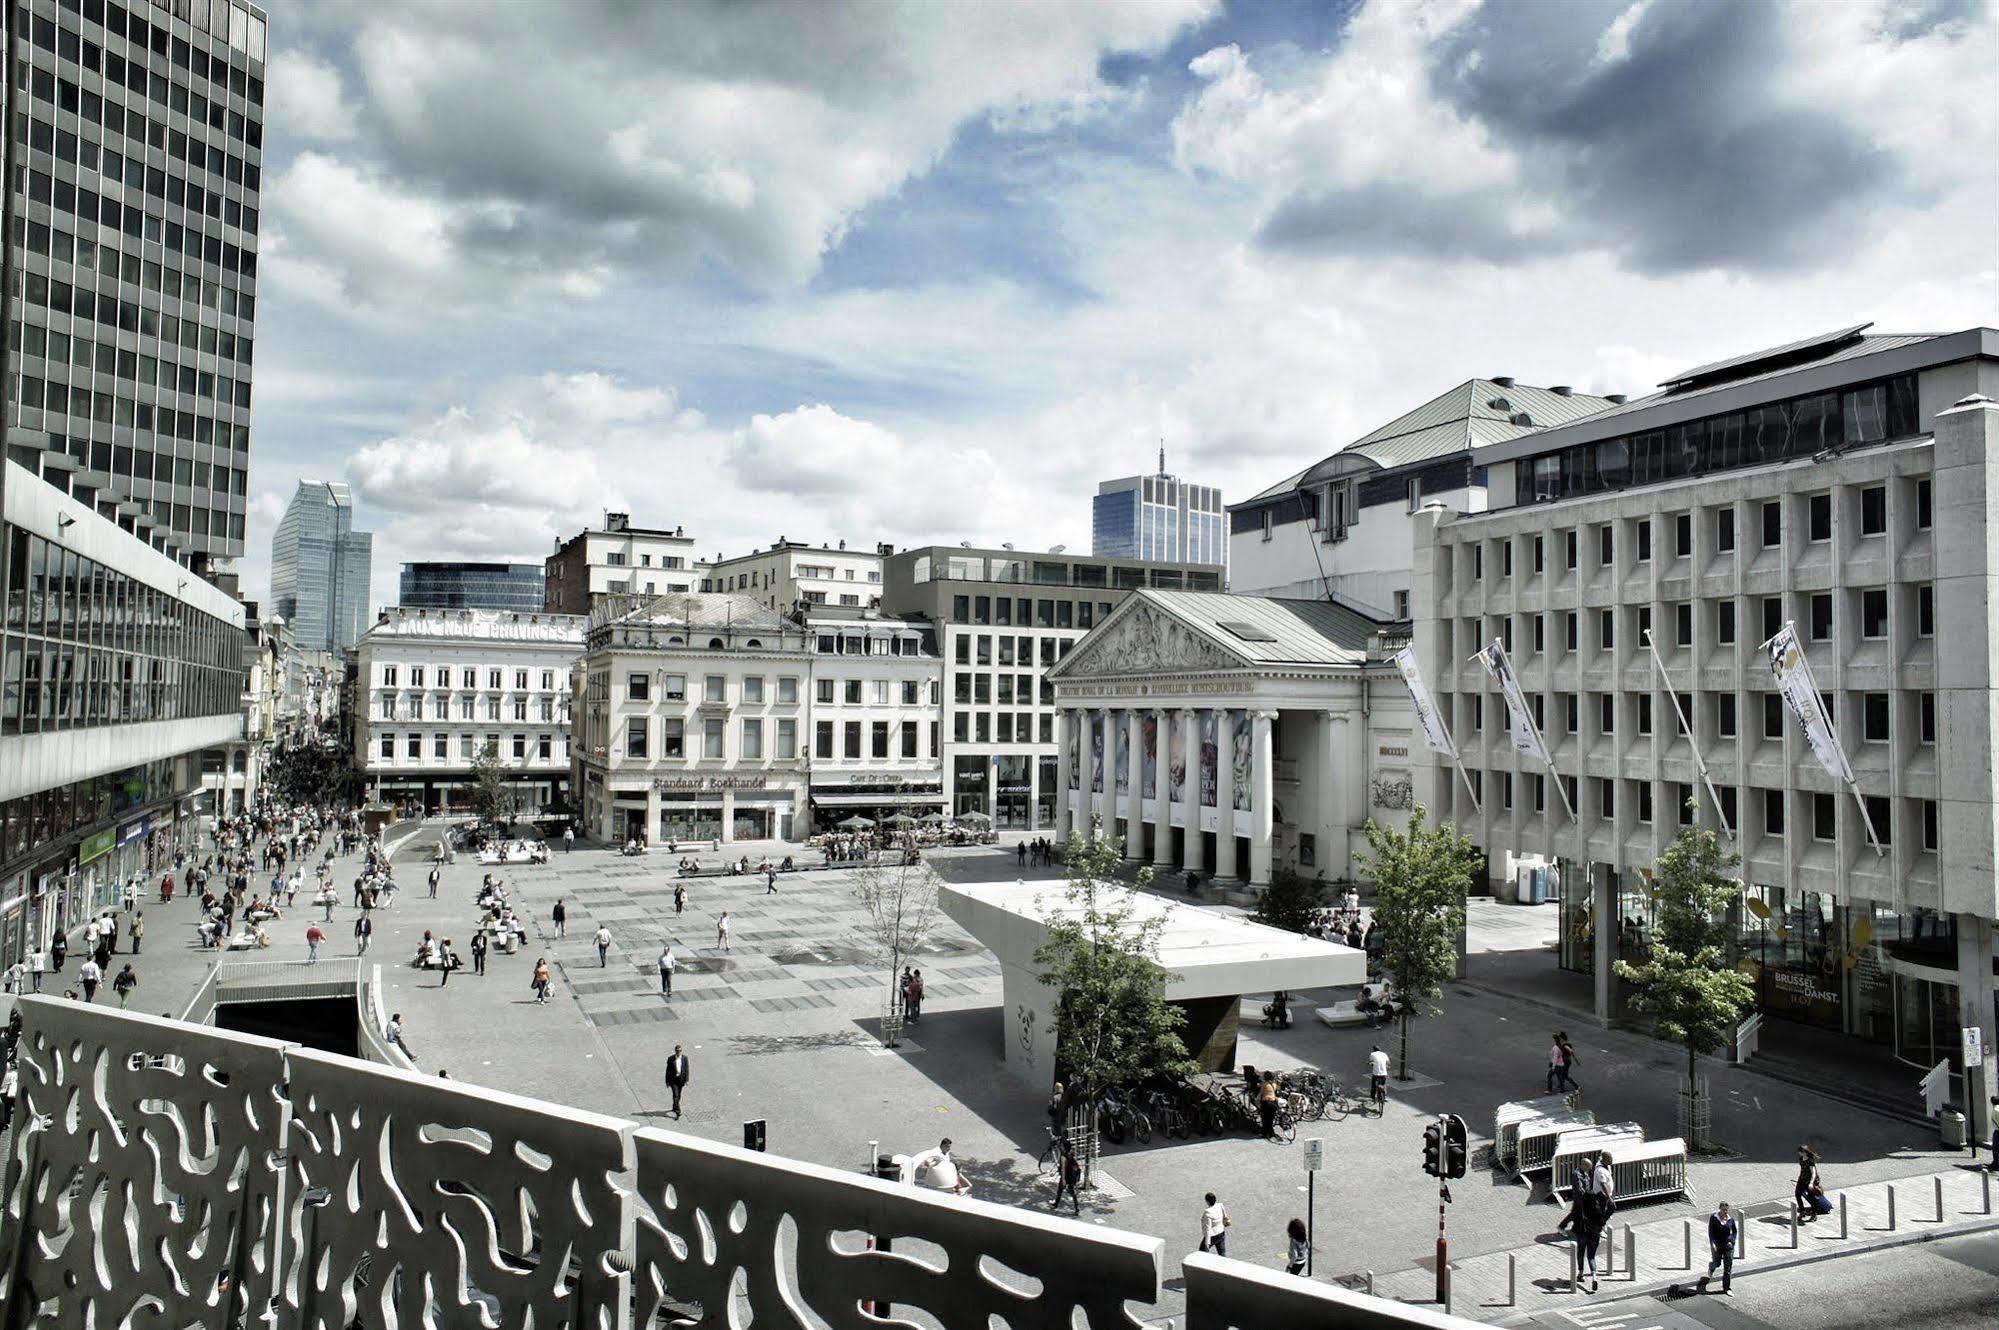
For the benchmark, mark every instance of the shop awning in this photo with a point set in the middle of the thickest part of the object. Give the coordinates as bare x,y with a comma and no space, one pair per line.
883,799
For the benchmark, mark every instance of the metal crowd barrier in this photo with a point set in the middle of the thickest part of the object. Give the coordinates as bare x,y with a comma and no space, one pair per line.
1654,1168
1508,1118
1535,1141
1579,1143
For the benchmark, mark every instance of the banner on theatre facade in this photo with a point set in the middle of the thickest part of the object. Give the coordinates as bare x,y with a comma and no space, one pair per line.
1520,722
1801,694
1426,706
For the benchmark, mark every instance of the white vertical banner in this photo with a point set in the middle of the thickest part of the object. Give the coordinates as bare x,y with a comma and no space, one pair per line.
1520,727
1426,707
1800,691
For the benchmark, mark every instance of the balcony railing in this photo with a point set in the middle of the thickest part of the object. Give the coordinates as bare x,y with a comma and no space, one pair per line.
189,1174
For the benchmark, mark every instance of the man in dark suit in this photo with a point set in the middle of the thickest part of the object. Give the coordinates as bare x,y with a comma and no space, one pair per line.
676,1077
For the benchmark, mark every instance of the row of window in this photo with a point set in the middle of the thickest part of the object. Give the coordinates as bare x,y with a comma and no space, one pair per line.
713,731
885,739
521,747
1050,572
390,676
1818,611
1005,727
1801,427
1777,810
548,709
1868,509
869,644
1023,612
187,292
1713,714
128,71
985,649
33,820
233,26
972,689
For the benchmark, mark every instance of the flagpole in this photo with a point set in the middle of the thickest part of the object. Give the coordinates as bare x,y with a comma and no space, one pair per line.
1520,714
1700,763
1832,732
1426,709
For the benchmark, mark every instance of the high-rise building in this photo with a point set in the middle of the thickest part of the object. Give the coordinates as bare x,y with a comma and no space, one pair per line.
1158,517
471,586
137,136
320,567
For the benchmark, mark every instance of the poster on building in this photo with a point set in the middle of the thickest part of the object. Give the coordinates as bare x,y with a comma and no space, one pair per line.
1239,752
1122,727
1074,774
1424,705
1176,762
1794,680
1149,764
1096,753
1208,769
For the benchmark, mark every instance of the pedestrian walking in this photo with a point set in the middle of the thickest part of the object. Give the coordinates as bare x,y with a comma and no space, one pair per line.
1570,1061
676,1077
313,937
540,981
568,839
1598,1205
1579,1180
679,898
1298,1248
59,950
447,961
667,965
560,918
912,997
603,940
138,930
1721,1232
38,965
364,928
1068,1177
435,874
1020,855
722,931
1555,1063
1215,1227
770,880
479,945
123,984
90,974
1809,1187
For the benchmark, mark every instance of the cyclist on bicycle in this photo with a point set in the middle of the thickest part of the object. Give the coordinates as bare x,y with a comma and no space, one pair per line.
1377,1074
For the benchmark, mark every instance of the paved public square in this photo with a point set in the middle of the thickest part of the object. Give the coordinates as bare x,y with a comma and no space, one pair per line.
782,1026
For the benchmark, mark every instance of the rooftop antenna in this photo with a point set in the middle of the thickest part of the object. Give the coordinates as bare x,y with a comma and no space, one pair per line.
1162,457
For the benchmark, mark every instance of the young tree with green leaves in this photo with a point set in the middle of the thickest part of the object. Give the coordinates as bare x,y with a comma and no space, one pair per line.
1686,984
492,800
901,901
1290,902
1421,878
1114,1026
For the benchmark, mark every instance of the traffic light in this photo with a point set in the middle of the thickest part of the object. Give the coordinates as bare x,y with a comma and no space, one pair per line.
1433,1150
1457,1148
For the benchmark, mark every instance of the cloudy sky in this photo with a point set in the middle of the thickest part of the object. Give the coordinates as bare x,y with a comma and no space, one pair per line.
928,271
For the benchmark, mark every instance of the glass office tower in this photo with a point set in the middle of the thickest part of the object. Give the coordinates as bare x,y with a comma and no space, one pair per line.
138,146
472,586
1158,517
320,567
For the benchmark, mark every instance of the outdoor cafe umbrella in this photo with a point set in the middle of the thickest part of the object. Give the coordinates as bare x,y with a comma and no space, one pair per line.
975,819
935,819
856,822
900,820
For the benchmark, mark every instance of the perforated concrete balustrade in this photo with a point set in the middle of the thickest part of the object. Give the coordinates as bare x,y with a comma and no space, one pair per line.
173,1174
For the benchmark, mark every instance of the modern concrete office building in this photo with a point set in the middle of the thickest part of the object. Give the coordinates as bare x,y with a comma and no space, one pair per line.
472,586
436,688
792,576
1003,619
138,146
118,668
617,561
1158,517
320,568
1842,484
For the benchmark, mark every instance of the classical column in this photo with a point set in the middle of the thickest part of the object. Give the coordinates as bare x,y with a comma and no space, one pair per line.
1134,793
1065,735
1191,858
1336,854
1162,808
1106,804
1261,792
1225,849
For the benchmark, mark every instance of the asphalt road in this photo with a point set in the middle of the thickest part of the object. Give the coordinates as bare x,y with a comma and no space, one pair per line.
1952,1284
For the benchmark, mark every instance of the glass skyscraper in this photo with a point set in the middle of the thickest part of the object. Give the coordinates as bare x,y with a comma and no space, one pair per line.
137,140
472,586
320,568
1158,517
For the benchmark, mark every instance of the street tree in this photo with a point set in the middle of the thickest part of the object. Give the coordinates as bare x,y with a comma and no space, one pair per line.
1114,1027
901,904
1685,983
1421,877
1290,902
492,799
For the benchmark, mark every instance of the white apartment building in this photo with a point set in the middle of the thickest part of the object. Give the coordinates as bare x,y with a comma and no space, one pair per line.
619,560
436,688
792,574
1842,484
1341,527
690,722
876,717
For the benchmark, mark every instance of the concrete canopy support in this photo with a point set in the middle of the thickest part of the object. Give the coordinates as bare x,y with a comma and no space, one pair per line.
1974,1008
1065,735
1225,848
1337,843
1134,800
1603,938
652,812
1261,790
1191,857
1162,807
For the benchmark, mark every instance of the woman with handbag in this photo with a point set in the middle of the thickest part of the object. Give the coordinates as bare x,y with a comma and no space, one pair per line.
1810,1191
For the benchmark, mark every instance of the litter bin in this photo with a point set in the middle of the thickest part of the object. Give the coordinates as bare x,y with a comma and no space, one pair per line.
1950,1126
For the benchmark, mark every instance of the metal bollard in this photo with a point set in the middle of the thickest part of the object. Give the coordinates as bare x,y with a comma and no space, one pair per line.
1891,1207
1630,1254
1512,1279
1741,1240
1448,1270
1939,1182
1687,1244
1985,1182
1370,1283
1842,1215
1794,1228
1575,1266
